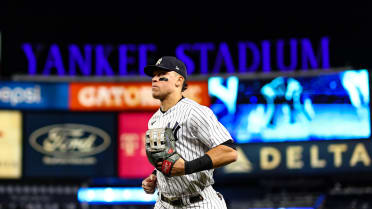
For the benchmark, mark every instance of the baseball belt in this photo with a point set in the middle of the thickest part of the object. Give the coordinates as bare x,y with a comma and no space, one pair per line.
178,201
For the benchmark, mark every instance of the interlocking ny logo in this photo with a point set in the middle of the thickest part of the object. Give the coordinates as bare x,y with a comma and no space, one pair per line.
159,61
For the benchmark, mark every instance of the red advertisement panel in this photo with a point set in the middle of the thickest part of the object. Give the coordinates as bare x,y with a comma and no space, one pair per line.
133,162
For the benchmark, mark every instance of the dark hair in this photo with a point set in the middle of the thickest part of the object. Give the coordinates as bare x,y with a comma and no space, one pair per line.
184,86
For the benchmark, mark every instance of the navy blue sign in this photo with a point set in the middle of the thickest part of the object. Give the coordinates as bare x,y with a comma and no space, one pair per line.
323,157
200,58
66,144
29,95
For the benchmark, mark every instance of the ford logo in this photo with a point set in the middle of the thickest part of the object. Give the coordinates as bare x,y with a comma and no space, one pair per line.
69,140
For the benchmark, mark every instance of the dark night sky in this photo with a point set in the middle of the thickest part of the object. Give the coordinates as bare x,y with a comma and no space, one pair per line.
348,24
274,17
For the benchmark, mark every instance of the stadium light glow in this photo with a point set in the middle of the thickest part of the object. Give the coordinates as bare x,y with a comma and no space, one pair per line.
286,208
115,195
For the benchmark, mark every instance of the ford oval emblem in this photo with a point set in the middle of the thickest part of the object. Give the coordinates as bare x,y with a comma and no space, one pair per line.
69,140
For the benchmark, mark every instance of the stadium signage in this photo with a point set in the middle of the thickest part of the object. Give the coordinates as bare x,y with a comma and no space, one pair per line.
29,95
313,157
78,143
125,96
200,58
10,144
68,143
131,150
270,157
17,95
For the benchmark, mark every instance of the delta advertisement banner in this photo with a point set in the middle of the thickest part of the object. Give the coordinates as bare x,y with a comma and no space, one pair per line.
322,157
30,95
126,96
69,144
10,144
133,162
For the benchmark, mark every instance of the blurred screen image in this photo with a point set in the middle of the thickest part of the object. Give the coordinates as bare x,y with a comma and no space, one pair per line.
300,108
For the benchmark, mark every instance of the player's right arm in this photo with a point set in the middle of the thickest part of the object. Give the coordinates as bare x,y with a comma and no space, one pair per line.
149,184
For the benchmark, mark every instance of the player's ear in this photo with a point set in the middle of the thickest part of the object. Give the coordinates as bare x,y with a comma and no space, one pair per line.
179,81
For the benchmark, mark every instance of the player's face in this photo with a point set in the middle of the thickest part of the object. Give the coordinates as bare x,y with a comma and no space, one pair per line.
163,83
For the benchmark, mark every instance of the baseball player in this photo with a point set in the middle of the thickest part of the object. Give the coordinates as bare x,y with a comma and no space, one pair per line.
184,175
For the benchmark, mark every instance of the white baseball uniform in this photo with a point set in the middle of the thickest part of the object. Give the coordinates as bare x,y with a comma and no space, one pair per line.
196,130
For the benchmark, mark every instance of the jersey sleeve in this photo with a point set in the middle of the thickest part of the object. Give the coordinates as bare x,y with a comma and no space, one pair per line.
206,127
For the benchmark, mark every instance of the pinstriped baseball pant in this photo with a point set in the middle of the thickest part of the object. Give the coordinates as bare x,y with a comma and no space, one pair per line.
212,200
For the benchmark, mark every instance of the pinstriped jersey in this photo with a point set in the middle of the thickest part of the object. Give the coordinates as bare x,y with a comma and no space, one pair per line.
196,130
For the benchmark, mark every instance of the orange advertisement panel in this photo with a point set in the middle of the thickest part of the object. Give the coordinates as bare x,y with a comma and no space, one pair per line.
198,91
126,96
10,144
133,162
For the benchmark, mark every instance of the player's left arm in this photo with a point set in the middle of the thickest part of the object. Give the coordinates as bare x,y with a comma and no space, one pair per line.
216,157
223,154
213,134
